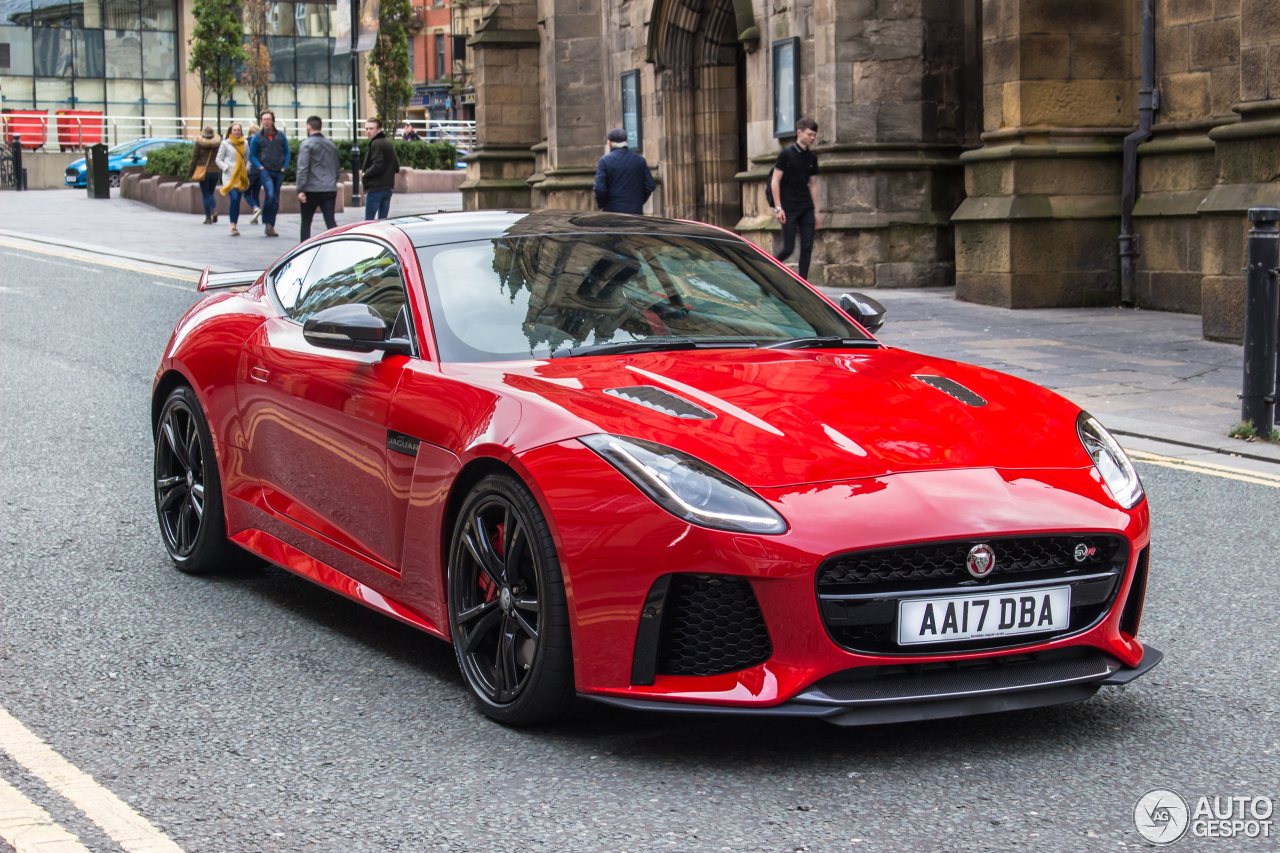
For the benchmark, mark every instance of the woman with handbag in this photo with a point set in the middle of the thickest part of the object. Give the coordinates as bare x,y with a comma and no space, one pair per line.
204,168
235,175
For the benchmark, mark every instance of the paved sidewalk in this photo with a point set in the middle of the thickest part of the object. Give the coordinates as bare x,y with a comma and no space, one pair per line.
133,229
1142,373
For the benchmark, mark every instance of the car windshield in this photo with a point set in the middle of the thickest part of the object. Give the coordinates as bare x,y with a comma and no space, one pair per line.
531,297
122,147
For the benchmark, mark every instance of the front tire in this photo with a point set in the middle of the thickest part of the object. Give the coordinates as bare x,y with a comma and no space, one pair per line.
114,179
507,609
188,490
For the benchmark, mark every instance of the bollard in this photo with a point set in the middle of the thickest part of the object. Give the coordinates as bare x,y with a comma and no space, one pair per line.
1261,318
19,172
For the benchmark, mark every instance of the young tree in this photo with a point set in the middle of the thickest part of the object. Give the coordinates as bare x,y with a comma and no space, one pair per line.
390,77
257,67
215,49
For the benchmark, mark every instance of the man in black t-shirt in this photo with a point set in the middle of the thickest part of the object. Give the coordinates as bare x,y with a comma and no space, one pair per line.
795,190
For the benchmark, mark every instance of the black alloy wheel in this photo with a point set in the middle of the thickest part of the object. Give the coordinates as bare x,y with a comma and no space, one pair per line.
187,489
507,610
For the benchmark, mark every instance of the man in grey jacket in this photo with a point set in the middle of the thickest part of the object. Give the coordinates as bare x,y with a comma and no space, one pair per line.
317,176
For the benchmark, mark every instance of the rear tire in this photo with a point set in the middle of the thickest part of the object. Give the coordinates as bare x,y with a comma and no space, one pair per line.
507,609
188,490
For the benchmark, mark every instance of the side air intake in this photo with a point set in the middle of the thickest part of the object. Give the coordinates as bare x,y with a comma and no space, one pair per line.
655,398
952,388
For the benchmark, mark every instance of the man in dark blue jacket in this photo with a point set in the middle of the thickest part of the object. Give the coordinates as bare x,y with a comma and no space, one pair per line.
623,180
269,151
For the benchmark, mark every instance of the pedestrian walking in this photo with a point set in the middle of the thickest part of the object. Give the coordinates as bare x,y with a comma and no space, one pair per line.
204,169
410,135
235,173
255,180
795,191
379,172
317,180
269,151
623,180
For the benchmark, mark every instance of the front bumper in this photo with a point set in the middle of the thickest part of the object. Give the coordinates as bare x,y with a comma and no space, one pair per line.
857,700
615,545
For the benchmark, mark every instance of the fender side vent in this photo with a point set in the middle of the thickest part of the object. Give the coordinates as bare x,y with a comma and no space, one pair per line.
655,398
952,388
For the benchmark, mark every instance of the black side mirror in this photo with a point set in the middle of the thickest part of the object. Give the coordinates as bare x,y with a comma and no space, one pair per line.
354,328
864,309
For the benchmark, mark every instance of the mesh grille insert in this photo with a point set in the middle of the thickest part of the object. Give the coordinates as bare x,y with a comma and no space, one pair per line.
952,388
711,625
945,561
661,401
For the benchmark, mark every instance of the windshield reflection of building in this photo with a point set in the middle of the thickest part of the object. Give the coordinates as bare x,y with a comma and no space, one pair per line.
584,290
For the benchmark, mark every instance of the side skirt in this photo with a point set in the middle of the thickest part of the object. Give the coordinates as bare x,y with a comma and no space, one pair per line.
290,558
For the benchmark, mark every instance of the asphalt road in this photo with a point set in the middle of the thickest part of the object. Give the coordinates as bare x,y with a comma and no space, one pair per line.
256,712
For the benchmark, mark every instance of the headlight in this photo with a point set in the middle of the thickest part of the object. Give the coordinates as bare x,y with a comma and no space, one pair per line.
1112,463
687,487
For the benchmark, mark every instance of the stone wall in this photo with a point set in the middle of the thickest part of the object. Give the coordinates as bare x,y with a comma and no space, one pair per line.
975,141
1039,225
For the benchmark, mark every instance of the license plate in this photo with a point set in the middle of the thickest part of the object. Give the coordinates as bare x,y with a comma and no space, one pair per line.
979,617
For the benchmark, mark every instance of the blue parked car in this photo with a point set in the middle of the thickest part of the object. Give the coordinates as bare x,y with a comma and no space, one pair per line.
132,153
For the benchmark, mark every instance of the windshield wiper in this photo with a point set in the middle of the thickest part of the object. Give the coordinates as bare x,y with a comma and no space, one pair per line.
651,345
824,342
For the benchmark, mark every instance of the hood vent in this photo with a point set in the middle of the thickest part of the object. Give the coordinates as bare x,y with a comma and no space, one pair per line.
953,389
659,400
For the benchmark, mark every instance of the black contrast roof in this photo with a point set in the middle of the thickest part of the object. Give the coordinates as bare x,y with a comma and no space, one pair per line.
433,229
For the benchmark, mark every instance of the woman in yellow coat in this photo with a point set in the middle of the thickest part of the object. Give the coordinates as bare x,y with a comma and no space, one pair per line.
233,160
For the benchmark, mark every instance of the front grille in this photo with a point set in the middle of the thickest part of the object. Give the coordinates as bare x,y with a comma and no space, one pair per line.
711,625
73,173
945,561
859,592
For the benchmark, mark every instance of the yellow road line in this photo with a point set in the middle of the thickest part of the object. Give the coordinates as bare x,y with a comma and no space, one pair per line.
126,827
27,828
91,259
1212,469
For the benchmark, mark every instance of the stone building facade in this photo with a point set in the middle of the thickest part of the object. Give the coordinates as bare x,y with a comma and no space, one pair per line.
968,142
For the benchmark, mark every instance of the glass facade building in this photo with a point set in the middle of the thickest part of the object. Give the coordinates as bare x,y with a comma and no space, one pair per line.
119,57
129,57
306,78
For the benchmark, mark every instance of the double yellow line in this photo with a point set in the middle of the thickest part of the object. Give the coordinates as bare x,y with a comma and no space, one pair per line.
1197,467
87,258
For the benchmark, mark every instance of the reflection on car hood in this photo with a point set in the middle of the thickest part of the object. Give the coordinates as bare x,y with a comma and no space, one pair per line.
790,417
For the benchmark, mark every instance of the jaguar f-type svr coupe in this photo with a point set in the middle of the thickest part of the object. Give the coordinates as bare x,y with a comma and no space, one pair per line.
638,461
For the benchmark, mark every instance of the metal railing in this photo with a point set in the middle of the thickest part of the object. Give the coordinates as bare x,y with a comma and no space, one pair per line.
77,132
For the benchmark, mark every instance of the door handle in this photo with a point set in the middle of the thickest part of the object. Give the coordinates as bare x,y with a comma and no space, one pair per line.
261,374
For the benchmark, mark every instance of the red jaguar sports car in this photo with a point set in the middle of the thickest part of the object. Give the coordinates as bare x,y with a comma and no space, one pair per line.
639,462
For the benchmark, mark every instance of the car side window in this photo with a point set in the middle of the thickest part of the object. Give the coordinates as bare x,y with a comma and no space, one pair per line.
354,271
288,280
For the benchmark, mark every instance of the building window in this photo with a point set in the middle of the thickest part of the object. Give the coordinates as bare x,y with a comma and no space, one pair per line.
90,55
786,86
631,108
306,77
441,73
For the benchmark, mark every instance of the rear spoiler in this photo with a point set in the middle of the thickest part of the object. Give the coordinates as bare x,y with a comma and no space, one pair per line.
227,280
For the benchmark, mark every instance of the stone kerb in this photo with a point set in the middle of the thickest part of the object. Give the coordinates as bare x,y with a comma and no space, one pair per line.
177,196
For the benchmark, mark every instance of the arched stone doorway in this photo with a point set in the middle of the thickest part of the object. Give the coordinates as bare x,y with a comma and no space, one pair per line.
700,60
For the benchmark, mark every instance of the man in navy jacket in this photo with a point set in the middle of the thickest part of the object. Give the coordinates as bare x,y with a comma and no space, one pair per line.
623,180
